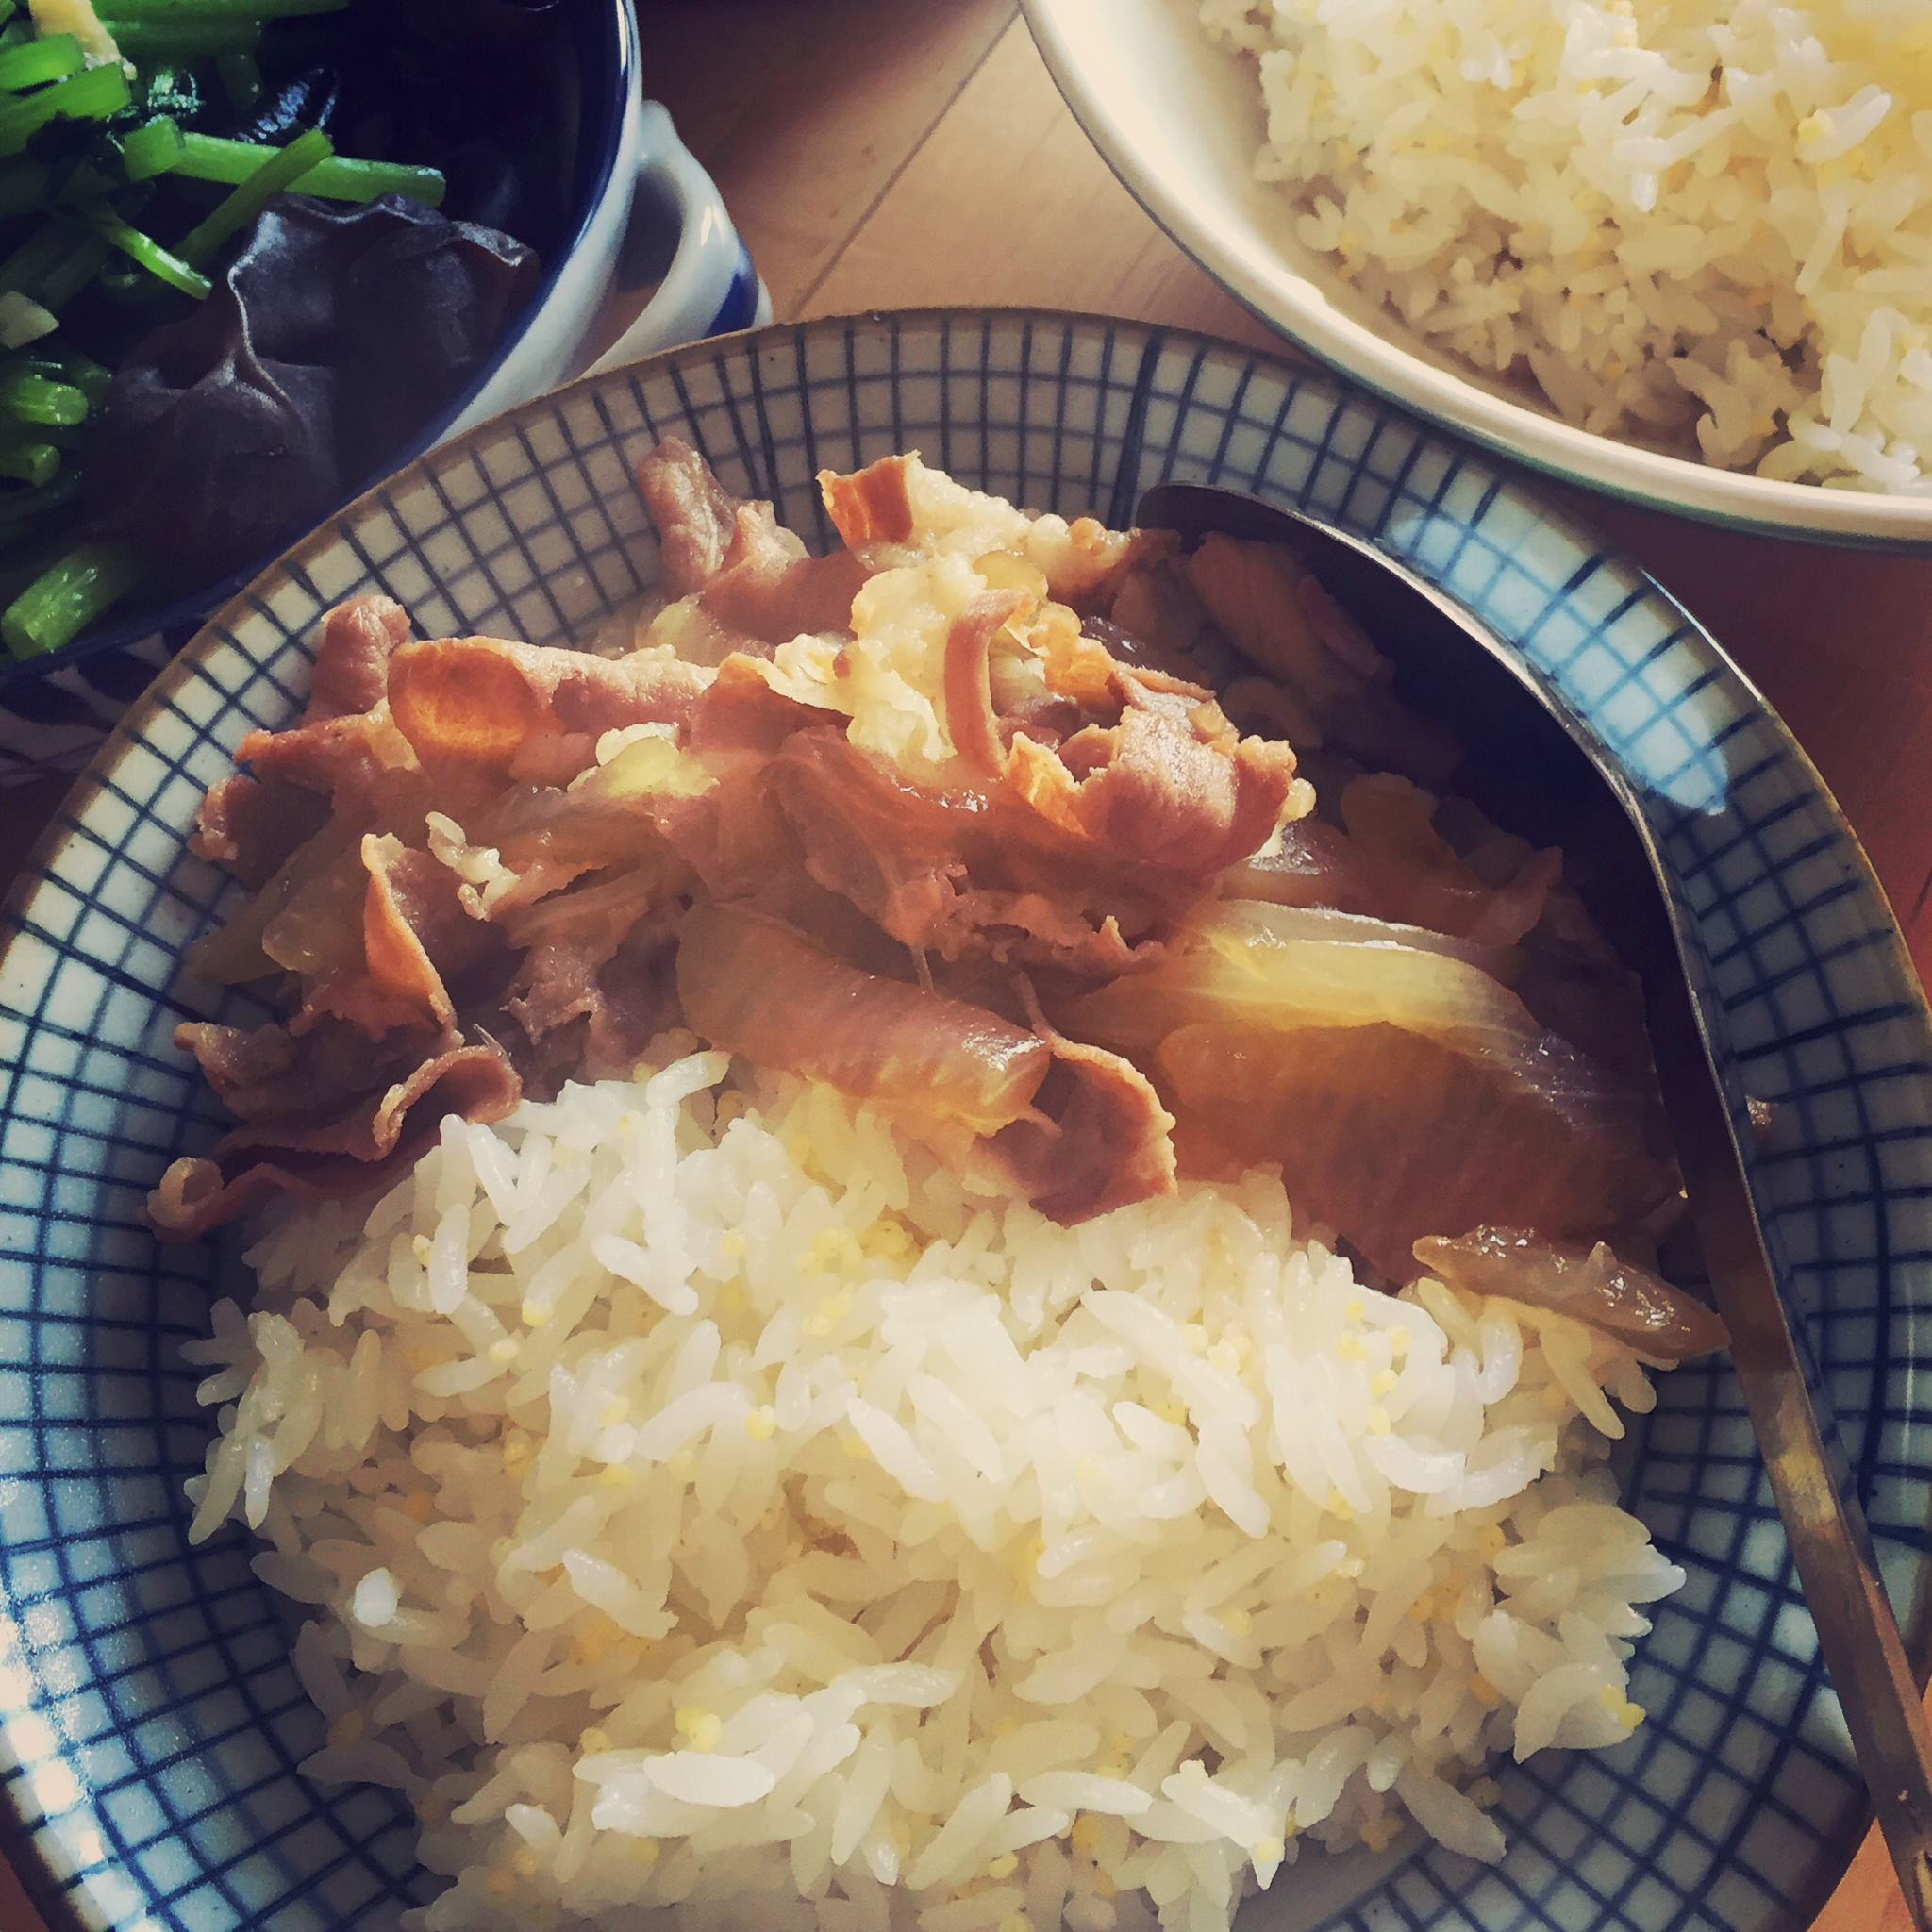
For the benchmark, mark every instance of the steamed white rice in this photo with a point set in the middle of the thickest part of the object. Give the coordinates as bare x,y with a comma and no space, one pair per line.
1670,212
706,1505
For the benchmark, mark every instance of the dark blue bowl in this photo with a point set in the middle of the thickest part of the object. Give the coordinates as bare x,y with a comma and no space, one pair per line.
55,710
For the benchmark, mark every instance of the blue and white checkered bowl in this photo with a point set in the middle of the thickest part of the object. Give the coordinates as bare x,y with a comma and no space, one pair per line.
149,1722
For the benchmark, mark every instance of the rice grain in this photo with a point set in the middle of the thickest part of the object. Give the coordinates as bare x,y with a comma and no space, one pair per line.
716,1509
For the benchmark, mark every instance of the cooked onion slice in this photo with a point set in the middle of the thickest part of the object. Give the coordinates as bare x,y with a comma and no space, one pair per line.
753,987
1596,1286
1400,1090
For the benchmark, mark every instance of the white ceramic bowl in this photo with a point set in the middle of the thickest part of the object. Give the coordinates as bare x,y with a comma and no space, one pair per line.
1179,120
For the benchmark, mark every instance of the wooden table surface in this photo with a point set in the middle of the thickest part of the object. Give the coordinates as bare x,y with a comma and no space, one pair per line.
896,153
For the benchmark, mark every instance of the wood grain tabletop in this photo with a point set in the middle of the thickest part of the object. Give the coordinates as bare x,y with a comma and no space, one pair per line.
889,153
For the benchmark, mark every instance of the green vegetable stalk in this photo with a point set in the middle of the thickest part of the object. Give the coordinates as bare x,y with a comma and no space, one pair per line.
60,603
185,39
282,167
209,158
149,253
152,149
33,62
93,94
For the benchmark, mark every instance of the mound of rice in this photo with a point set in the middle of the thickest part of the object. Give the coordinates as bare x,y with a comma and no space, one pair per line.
1662,209
707,1505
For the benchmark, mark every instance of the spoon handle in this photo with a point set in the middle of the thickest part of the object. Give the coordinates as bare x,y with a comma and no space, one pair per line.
1790,1410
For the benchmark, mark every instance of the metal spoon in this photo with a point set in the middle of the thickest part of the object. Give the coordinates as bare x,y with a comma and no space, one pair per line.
1521,742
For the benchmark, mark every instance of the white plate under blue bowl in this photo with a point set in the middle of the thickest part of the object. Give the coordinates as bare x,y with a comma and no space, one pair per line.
149,1722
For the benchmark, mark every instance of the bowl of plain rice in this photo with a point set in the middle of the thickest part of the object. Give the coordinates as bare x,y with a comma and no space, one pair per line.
690,1497
1673,250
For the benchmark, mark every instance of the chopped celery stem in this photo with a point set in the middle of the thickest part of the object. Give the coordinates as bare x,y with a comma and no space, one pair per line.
21,562
185,37
29,462
69,366
279,170
8,8
61,602
149,253
35,63
93,94
152,149
27,396
211,158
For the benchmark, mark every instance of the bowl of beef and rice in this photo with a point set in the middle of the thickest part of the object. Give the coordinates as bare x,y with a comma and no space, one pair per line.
765,1177
1672,250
